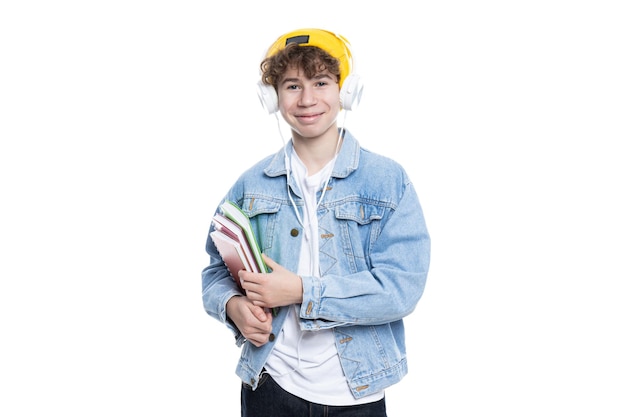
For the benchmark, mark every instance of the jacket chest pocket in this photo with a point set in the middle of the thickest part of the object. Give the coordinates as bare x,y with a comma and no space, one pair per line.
361,213
262,214
360,224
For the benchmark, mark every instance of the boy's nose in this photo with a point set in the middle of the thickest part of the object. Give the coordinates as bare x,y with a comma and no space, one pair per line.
307,98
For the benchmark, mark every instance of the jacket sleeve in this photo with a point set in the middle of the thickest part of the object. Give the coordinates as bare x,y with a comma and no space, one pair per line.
398,259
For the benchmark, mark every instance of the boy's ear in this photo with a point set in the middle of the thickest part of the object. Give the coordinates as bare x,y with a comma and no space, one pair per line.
267,95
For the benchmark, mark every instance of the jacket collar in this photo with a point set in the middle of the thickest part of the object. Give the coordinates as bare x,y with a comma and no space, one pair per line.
347,160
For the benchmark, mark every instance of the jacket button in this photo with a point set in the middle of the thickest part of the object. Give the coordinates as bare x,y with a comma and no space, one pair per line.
272,337
294,232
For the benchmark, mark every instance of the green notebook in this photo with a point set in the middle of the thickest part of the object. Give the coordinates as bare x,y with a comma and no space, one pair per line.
234,213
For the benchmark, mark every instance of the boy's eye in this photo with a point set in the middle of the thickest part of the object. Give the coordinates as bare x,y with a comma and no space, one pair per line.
292,87
322,83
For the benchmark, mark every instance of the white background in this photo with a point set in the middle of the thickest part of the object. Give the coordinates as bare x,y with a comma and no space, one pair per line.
122,124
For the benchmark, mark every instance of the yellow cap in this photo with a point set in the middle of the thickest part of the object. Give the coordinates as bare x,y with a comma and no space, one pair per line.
335,45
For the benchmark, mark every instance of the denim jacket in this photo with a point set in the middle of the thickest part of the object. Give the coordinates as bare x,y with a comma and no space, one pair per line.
374,251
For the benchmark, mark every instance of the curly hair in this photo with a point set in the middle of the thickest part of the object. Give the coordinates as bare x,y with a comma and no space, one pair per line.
311,59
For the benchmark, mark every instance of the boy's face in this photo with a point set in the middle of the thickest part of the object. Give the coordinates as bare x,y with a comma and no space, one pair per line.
309,105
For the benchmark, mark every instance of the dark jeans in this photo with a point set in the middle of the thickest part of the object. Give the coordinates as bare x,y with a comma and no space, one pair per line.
270,400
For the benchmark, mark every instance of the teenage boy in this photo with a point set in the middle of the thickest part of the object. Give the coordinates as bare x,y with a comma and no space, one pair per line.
344,239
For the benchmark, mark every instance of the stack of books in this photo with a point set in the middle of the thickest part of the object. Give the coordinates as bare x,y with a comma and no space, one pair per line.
236,242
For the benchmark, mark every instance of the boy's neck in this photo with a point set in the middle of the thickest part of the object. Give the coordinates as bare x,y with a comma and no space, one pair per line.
316,152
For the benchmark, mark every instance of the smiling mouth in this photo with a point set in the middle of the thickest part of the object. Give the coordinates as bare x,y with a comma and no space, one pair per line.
308,116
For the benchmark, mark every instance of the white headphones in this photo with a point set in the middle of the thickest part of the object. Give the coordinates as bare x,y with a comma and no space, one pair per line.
351,86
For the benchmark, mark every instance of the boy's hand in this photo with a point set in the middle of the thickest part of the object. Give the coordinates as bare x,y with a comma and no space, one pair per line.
254,322
274,289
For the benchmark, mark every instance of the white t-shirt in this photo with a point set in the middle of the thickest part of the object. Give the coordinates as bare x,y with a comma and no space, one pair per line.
306,363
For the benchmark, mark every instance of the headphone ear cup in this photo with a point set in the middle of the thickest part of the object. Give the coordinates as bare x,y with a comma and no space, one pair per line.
269,98
351,91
